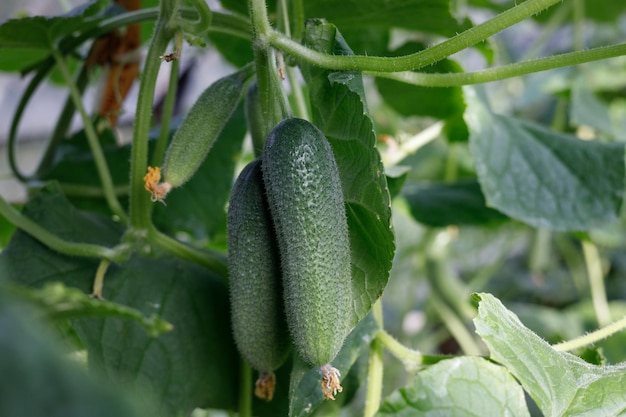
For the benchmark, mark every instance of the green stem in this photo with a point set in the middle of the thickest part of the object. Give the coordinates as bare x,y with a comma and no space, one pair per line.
92,139
98,282
540,251
245,390
211,260
140,206
596,283
505,71
411,358
375,367
420,59
203,22
79,190
273,102
455,326
19,111
591,338
63,124
119,254
579,25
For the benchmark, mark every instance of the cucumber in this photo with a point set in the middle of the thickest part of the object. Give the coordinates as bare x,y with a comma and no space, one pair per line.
257,314
202,126
307,207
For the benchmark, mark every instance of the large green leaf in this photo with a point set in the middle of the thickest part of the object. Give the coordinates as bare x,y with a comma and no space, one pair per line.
340,111
423,15
37,380
541,177
560,383
194,365
458,387
440,205
305,389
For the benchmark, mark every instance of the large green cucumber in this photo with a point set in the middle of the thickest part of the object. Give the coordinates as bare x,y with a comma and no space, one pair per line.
306,202
258,318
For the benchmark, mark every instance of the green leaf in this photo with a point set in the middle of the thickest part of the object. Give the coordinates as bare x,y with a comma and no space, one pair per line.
543,178
194,365
59,302
463,386
305,389
409,100
37,380
560,383
340,111
198,207
34,37
440,205
424,15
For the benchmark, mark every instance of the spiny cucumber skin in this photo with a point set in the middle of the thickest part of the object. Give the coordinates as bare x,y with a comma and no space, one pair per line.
201,127
257,314
306,202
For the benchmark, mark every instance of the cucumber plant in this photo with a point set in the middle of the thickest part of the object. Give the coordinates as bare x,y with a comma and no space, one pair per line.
357,111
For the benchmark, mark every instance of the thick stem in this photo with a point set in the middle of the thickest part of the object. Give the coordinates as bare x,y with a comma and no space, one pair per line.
272,98
139,198
94,143
420,59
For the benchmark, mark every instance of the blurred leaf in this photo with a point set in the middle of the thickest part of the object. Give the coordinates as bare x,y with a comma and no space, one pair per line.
59,302
236,51
409,100
194,365
423,15
588,110
541,177
560,383
441,205
34,37
37,380
340,111
199,207
458,387
305,385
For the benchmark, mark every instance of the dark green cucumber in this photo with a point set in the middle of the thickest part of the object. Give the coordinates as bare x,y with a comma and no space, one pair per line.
306,202
257,314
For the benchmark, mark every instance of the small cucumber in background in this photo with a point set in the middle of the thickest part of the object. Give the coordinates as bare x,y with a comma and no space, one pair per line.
307,207
254,118
202,126
258,318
